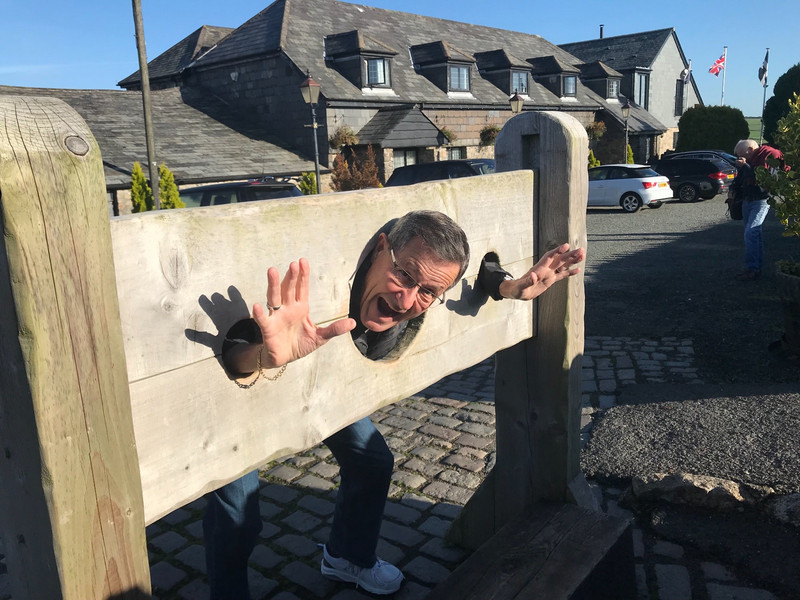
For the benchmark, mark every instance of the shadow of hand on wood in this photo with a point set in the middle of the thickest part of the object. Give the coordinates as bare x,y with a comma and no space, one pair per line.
471,300
224,314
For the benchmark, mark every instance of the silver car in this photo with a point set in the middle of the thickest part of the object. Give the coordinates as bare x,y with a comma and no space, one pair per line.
628,186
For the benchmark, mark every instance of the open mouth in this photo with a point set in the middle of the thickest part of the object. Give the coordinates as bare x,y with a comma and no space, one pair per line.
386,310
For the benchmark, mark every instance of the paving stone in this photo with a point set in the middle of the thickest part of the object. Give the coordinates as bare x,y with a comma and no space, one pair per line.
268,530
428,453
194,556
446,422
478,429
297,545
474,441
718,591
464,463
169,541
716,572
415,501
301,461
487,407
325,470
439,432
350,594
322,452
607,385
389,552
642,593
318,506
411,590
446,411
669,549
474,453
401,534
279,493
307,577
475,417
260,586
195,529
426,570
153,530
265,557
400,423
445,491
399,512
673,582
285,596
460,478
164,576
195,590
606,401
435,526
638,543
315,483
284,473
439,549
409,413
446,510
268,510
177,516
448,402
411,480
301,521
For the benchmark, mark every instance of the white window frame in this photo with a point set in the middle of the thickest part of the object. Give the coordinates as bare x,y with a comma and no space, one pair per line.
401,156
642,83
386,75
457,153
570,86
613,88
457,75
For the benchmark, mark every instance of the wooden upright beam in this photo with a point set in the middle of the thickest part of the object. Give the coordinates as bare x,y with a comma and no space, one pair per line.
538,381
70,500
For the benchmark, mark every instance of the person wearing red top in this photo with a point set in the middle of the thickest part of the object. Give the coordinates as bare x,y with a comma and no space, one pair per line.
754,205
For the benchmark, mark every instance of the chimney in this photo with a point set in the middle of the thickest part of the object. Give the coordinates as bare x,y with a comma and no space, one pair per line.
601,30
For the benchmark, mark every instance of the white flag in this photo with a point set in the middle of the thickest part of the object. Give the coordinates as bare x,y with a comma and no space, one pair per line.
762,71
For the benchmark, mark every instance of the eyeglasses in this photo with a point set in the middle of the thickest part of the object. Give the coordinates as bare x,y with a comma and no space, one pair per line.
403,279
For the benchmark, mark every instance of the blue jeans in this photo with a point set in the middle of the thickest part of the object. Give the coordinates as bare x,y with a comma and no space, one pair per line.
753,213
232,521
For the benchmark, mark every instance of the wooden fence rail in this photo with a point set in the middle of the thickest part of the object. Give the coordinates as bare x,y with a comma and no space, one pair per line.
114,407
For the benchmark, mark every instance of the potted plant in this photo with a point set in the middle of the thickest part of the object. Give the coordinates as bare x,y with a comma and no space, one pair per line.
784,189
488,135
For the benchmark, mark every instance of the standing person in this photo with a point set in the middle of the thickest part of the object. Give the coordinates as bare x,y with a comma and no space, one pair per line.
754,205
408,271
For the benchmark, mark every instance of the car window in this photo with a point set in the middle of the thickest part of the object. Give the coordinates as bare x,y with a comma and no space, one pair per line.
620,173
640,173
266,193
598,174
219,197
192,200
460,170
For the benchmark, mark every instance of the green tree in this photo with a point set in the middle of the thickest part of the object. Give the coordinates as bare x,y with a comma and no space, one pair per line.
629,155
705,127
777,106
308,183
593,162
167,190
141,193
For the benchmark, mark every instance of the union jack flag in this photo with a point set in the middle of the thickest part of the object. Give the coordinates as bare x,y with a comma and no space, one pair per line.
717,66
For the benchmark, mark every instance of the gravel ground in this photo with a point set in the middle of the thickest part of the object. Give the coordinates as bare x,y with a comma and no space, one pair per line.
671,272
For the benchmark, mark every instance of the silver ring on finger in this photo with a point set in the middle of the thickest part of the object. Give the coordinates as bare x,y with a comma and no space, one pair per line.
274,307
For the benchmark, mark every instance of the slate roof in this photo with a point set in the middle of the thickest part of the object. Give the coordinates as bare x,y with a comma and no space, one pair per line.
548,65
598,70
170,63
299,27
499,59
622,52
350,42
400,127
195,146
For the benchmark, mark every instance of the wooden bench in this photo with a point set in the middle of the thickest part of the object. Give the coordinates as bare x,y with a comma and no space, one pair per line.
115,409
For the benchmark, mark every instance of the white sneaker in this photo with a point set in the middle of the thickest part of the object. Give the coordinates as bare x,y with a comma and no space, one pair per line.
382,578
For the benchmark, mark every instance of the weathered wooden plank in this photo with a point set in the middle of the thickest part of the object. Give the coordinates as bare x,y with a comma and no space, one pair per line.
194,428
551,552
538,381
71,507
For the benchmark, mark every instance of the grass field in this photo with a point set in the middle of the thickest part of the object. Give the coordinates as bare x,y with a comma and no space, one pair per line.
755,127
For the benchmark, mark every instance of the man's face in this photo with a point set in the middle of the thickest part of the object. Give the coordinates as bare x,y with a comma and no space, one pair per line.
385,302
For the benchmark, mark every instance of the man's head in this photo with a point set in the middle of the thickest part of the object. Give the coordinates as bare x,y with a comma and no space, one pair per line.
424,255
744,148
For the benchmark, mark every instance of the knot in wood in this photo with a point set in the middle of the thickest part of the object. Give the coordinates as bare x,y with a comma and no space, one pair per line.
76,145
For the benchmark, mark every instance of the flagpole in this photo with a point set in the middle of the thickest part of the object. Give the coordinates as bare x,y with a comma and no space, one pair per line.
724,69
763,105
686,85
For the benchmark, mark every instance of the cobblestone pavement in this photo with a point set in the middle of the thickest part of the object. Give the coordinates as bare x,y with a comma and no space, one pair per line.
443,441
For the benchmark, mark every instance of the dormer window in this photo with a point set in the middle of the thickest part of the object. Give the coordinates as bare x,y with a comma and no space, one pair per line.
613,88
570,86
459,78
378,70
519,82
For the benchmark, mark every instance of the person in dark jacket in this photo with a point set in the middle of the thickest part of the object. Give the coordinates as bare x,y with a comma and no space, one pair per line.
754,205
406,272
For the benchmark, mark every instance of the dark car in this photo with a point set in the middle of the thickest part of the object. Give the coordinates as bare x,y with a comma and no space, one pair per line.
707,154
239,191
485,165
694,178
431,171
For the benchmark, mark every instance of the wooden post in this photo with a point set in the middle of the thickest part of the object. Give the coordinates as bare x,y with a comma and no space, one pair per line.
70,501
538,381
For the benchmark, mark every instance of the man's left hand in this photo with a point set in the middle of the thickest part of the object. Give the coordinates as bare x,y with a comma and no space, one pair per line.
557,264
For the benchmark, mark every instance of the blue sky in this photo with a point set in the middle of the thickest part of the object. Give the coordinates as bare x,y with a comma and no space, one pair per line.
91,43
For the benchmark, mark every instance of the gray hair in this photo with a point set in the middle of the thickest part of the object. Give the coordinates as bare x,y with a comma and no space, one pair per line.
439,232
743,145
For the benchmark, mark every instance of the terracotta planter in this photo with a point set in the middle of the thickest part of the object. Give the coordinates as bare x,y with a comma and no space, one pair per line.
789,293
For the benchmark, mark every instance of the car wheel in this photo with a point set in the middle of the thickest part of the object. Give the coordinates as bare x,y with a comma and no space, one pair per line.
687,193
655,204
630,202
